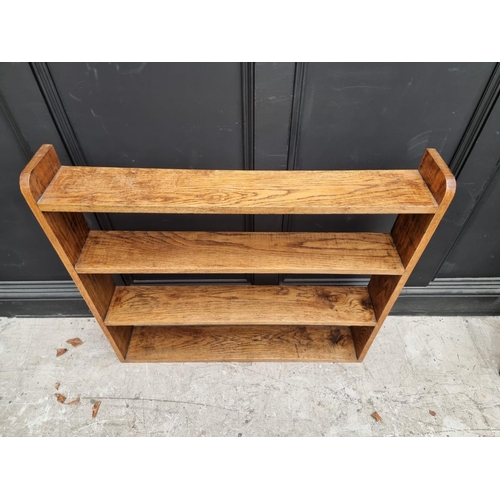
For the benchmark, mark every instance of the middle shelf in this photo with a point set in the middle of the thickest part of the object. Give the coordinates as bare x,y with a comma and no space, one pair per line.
142,252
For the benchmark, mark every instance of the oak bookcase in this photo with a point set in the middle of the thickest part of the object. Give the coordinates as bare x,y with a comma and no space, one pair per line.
237,323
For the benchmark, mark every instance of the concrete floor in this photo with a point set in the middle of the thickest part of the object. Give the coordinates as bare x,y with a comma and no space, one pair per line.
417,364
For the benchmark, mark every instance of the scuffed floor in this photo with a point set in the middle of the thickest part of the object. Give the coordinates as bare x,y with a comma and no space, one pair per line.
449,366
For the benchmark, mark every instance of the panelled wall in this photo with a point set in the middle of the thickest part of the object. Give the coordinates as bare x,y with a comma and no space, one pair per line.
262,116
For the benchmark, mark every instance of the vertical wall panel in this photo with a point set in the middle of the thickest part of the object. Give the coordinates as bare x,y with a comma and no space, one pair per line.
381,115
25,124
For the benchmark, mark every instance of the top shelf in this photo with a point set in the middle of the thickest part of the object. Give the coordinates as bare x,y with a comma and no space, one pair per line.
148,190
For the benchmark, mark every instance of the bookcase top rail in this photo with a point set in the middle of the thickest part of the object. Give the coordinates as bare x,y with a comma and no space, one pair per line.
149,190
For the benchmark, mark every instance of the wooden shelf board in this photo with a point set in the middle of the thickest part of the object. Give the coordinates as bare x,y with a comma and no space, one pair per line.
117,252
147,190
241,344
240,305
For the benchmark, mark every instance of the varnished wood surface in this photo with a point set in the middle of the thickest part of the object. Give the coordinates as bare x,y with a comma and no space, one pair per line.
237,252
240,315
99,189
363,336
68,232
438,177
411,234
241,343
240,305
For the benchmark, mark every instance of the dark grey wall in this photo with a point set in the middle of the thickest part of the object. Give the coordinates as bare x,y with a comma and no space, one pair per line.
476,250
369,116
384,115
258,116
25,124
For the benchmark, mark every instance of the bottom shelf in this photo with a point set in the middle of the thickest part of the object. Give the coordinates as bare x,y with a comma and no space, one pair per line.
241,343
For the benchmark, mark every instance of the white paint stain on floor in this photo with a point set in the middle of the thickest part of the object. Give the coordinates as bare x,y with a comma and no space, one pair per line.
417,364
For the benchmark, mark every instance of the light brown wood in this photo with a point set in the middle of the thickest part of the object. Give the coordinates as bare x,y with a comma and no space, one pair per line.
68,232
98,189
411,234
250,323
241,343
240,305
231,252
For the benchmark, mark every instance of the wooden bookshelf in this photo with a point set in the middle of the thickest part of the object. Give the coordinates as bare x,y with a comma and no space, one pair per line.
237,323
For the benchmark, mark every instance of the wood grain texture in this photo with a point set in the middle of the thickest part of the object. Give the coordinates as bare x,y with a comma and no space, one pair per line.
361,335
241,343
236,252
240,305
136,190
250,323
438,177
411,234
68,232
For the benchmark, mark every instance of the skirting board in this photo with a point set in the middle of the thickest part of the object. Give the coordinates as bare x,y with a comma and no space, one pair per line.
442,297
451,297
41,299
